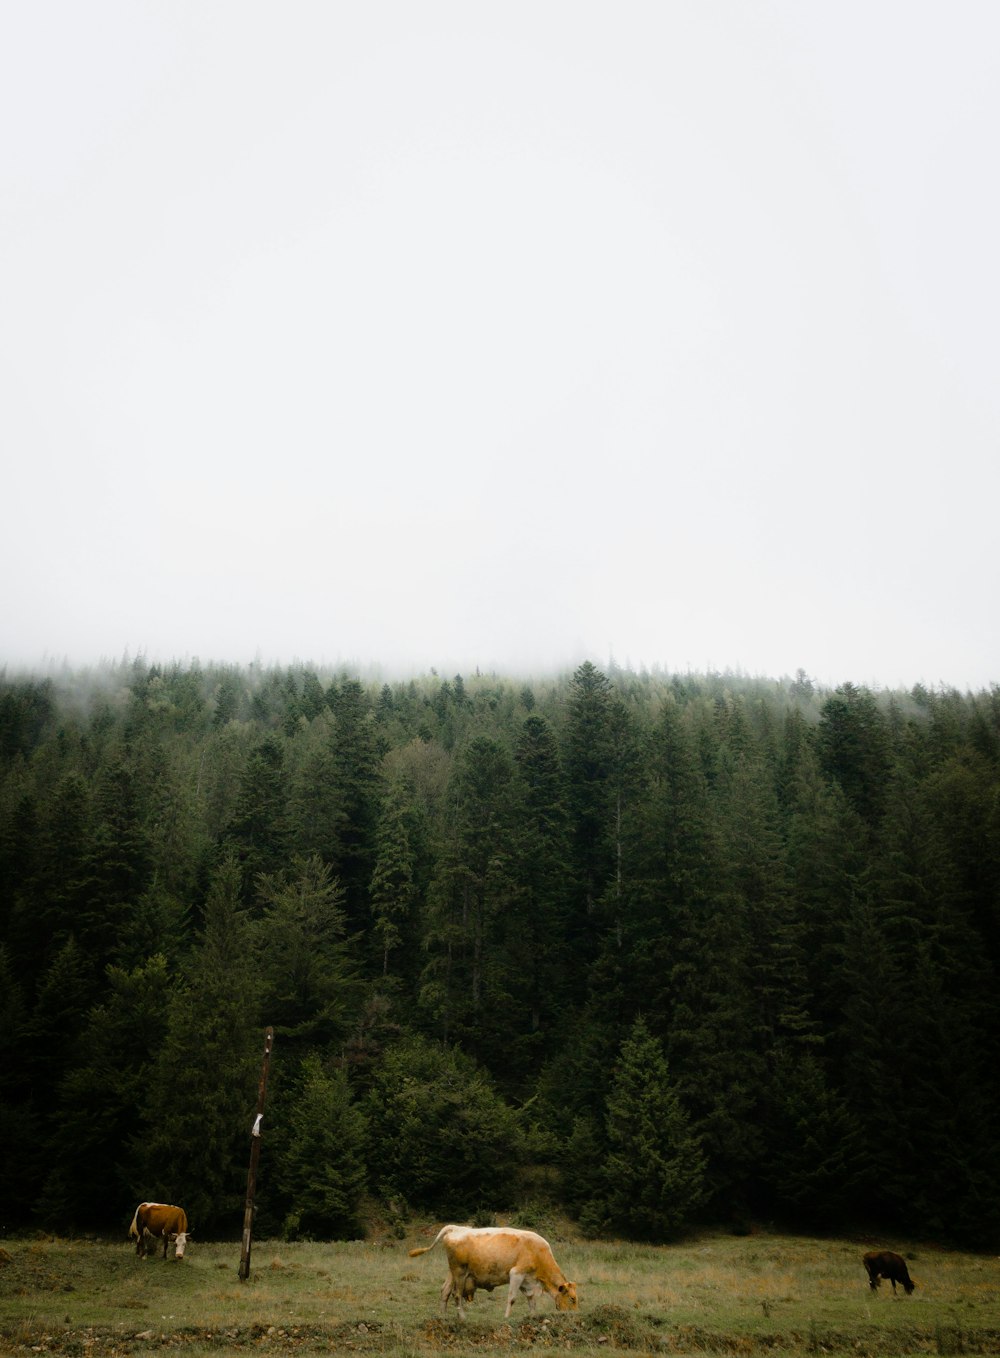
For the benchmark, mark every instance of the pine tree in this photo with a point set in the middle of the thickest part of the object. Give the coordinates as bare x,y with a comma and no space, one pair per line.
712,1049
816,1156
589,760
20,1120
87,1172
355,756
335,795
854,749
258,829
195,1121
320,1166
541,870
304,969
653,1174
466,984
393,884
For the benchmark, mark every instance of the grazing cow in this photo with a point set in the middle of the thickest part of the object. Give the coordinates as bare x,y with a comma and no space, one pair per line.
886,1264
157,1219
489,1256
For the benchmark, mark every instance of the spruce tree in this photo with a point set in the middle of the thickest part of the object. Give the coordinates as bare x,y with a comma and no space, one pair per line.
304,962
815,1165
467,982
589,762
194,1124
654,1170
319,1161
393,884
88,1174
258,829
541,971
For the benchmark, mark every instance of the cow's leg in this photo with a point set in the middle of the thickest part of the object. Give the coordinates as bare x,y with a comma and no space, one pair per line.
893,1281
446,1292
166,1242
516,1279
456,1286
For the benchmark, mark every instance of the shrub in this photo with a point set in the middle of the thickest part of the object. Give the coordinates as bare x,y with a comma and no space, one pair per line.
440,1135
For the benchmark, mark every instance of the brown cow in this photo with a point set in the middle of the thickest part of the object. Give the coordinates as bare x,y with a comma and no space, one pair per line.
158,1219
887,1264
488,1256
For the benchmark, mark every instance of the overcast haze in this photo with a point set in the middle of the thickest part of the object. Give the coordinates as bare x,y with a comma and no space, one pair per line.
505,335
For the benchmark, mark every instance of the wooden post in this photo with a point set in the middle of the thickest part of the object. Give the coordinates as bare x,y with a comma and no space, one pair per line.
244,1269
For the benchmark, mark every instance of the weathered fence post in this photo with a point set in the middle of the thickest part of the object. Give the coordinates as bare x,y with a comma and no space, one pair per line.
244,1269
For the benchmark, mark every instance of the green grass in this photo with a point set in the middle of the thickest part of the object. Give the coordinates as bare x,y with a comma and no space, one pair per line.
713,1293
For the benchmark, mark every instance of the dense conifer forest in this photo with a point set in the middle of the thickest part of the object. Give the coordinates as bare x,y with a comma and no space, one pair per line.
652,949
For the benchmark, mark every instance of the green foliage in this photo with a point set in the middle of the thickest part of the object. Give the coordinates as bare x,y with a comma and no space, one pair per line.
305,978
467,980
653,1172
394,878
797,889
320,1168
440,1134
99,1093
817,1152
197,1110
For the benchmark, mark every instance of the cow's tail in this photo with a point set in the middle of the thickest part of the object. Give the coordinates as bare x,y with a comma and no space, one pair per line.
133,1230
440,1235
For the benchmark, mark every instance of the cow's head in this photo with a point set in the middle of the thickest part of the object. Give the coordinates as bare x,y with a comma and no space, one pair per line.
180,1239
566,1297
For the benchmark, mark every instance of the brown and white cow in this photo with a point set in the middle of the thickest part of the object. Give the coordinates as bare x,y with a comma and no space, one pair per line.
489,1256
887,1264
156,1219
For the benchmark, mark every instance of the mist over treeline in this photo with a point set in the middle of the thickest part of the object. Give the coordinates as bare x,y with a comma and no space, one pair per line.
648,949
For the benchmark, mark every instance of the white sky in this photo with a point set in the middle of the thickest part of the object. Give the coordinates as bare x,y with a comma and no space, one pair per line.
503,334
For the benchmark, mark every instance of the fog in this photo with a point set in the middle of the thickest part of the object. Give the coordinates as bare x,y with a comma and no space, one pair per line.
501,336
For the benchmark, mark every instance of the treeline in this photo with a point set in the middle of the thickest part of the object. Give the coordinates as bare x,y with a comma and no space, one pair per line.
650,948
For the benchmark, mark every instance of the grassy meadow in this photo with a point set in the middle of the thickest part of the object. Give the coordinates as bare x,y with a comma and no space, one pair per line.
712,1293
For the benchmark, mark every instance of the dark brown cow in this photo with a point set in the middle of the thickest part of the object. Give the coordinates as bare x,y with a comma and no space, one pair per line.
887,1264
155,1219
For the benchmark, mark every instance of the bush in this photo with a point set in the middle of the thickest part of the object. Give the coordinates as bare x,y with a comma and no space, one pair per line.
440,1135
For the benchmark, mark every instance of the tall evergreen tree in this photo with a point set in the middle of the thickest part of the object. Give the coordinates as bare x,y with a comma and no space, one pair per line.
815,1166
589,760
854,749
393,886
654,1168
195,1122
467,981
541,870
258,829
304,971
20,1118
88,1176
320,1167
